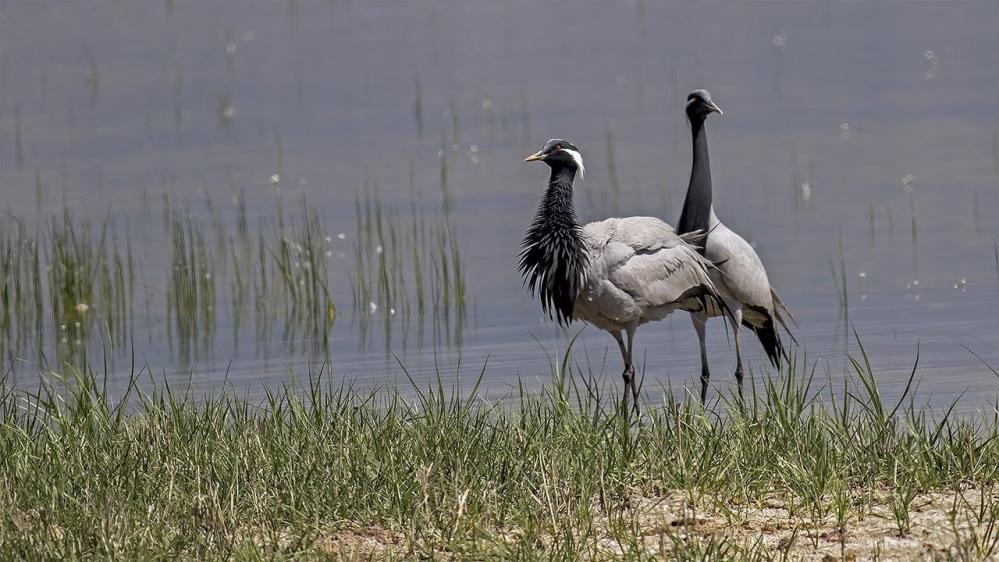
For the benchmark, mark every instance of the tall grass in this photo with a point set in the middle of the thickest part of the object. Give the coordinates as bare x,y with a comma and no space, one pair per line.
437,470
21,305
190,291
90,269
75,283
58,281
294,278
408,267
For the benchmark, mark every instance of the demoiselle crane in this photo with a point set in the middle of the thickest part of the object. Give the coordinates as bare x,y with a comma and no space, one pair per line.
739,273
616,274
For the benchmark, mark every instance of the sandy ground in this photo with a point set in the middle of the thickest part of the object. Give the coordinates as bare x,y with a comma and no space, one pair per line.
941,526
939,523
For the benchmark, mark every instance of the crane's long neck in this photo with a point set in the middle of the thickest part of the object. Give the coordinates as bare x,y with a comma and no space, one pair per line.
697,211
553,258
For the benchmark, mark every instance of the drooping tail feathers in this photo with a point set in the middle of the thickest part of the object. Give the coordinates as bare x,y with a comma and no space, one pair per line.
770,340
783,314
767,332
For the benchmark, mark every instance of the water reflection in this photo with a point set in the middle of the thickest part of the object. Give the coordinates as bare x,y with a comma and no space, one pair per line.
401,126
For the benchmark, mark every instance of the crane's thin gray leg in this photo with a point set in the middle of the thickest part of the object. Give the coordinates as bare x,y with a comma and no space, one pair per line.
700,320
629,373
631,368
737,331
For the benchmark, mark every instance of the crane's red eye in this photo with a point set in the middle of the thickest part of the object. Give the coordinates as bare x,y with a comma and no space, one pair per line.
557,147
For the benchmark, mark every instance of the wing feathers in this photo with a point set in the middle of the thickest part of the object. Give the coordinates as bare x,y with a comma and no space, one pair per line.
656,270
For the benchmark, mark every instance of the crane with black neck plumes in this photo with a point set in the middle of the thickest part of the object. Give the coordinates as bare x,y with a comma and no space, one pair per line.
739,273
616,274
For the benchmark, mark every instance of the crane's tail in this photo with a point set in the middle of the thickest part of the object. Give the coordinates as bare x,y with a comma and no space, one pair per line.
783,314
770,340
767,331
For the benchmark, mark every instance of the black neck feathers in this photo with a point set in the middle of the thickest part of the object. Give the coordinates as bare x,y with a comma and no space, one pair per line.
552,260
697,206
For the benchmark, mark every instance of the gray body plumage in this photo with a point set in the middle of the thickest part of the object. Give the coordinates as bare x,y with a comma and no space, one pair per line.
739,274
639,270
616,274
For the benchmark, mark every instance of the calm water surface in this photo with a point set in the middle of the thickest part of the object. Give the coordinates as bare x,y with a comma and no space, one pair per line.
860,141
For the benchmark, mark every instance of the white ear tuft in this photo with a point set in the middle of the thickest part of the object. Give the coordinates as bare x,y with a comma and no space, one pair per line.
579,160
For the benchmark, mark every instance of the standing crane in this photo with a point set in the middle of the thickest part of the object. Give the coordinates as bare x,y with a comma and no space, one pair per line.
616,274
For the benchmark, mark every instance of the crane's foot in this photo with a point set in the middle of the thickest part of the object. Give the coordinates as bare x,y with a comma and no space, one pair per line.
630,391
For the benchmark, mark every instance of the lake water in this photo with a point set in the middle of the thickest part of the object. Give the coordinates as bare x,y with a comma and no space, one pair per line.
860,141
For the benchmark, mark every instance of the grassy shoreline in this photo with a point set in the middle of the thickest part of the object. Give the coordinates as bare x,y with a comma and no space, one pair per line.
327,471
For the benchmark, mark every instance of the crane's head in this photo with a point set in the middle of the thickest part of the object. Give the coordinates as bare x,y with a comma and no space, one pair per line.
559,153
699,105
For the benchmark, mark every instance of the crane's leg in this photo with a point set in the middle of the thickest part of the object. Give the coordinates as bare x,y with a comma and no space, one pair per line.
700,320
737,331
629,373
631,368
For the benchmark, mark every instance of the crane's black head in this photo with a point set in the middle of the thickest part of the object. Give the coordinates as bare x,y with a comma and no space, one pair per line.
699,105
559,153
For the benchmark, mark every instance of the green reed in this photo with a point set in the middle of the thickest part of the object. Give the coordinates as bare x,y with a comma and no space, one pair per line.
21,288
90,281
75,282
62,284
294,273
435,469
407,269
190,293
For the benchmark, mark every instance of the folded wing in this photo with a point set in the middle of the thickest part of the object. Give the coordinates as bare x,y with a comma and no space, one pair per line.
645,258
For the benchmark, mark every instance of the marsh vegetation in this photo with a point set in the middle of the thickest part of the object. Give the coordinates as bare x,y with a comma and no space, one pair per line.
75,286
805,468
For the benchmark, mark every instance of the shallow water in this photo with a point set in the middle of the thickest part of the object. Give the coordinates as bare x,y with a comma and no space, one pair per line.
869,127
